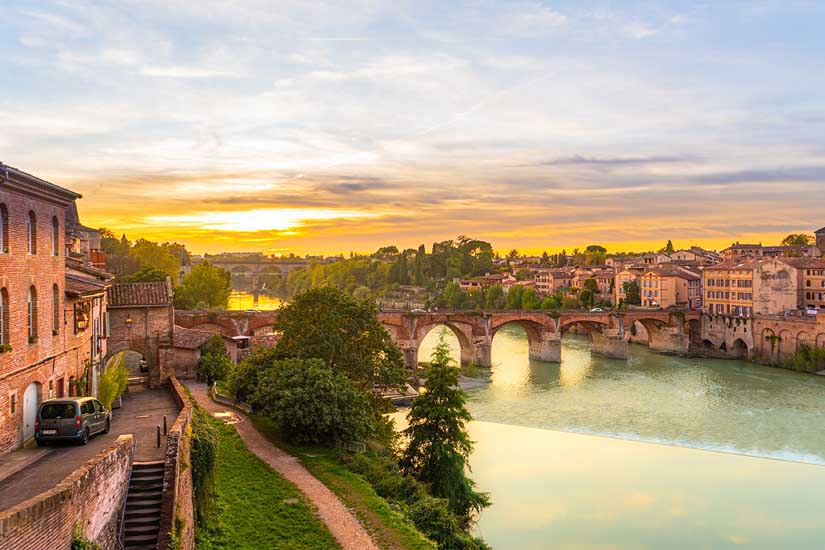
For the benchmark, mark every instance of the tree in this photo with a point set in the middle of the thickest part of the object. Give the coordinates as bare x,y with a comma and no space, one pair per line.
529,299
591,285
797,239
596,249
146,274
512,256
494,297
148,253
586,297
454,297
438,443
329,324
205,287
113,381
514,296
667,249
632,293
215,363
311,403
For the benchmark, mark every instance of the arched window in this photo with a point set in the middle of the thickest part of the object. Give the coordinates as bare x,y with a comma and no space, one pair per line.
32,233
32,313
4,229
55,309
4,316
55,237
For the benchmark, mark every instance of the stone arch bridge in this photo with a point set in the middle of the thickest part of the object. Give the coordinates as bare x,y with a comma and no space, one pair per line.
669,331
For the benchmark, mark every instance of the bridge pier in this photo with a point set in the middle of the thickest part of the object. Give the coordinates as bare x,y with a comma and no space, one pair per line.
410,356
670,340
477,354
608,344
547,348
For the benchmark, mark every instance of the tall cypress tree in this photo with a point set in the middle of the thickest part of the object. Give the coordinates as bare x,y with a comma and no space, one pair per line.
439,445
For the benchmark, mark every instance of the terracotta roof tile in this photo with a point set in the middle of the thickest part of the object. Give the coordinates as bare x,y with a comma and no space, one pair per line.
140,294
188,338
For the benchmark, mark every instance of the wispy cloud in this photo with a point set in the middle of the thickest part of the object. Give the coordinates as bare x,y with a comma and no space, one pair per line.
535,124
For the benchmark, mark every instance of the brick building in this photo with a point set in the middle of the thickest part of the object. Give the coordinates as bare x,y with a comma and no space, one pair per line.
766,286
52,317
810,282
142,320
820,239
670,287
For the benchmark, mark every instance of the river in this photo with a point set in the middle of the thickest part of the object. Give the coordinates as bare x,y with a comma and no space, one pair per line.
655,452
243,300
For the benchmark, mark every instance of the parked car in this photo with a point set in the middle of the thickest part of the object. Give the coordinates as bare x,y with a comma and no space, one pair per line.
74,419
597,310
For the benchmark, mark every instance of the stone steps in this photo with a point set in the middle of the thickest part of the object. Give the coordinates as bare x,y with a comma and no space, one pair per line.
142,516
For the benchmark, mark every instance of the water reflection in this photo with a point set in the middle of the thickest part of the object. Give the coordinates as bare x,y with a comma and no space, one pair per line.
241,300
560,490
553,489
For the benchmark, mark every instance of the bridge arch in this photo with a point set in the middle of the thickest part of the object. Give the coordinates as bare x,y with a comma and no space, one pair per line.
464,343
739,349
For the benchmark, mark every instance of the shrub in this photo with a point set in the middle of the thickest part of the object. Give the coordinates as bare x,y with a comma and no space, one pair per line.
203,455
808,359
113,381
431,516
312,403
79,540
215,362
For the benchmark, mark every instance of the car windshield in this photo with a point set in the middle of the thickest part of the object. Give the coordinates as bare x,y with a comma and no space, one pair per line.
57,410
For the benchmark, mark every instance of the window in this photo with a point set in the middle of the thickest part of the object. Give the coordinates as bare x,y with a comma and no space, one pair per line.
55,237
71,386
32,314
32,233
13,403
4,316
55,309
4,229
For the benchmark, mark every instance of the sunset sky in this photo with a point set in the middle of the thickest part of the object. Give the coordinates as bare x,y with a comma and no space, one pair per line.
314,127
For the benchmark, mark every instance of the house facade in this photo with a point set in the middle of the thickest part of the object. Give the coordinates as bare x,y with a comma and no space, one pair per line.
52,317
762,287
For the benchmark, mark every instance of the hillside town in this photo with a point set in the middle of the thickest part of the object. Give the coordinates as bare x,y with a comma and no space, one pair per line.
60,306
64,315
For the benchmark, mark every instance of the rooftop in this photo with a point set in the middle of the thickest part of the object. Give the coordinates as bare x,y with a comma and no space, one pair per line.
140,295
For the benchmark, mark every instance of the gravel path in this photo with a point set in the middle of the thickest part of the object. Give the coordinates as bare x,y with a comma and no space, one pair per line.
343,525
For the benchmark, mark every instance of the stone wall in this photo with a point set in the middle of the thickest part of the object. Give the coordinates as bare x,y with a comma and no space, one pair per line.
92,496
177,512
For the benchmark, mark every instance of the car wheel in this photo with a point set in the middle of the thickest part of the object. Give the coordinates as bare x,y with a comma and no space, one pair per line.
85,437
106,429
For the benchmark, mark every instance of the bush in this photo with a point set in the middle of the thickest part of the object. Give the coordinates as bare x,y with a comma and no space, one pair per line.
808,359
431,516
215,362
203,455
113,381
312,403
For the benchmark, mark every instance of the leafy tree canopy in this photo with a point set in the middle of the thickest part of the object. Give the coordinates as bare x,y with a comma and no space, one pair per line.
797,239
343,332
205,287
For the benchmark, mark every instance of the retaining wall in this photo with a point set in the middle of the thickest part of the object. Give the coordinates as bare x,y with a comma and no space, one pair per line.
92,496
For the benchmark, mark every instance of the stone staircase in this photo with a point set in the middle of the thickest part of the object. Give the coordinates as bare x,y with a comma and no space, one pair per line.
141,521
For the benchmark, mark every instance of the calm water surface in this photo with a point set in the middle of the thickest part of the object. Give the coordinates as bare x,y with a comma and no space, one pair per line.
241,300
556,482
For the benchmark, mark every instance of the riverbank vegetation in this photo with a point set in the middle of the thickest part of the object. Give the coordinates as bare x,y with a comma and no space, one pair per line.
808,359
316,388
